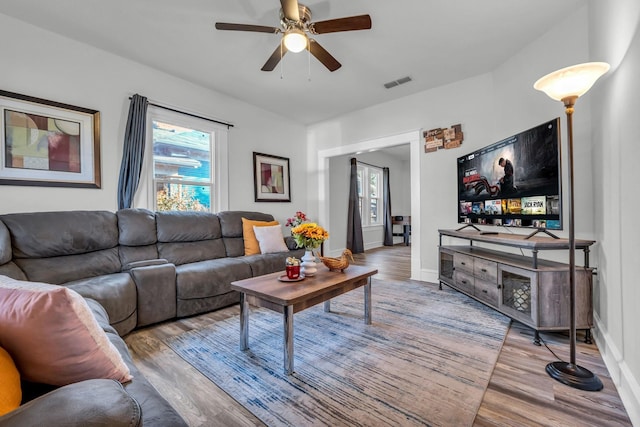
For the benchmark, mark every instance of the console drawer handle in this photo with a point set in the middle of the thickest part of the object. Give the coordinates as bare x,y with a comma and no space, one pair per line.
463,263
485,291
464,281
484,270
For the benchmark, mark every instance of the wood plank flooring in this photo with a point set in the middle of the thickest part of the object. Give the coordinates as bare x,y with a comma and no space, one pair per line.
520,392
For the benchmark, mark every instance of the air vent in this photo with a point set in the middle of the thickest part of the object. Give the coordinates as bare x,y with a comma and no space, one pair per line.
398,82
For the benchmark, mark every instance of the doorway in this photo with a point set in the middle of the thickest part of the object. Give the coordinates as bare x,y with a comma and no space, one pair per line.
413,140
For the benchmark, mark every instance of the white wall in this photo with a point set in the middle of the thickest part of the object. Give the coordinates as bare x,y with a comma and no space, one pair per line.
606,128
41,64
490,107
615,38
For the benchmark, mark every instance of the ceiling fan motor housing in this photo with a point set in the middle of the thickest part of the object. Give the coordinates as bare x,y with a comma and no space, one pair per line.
305,18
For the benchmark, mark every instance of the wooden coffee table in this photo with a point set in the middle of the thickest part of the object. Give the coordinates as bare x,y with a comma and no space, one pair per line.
291,297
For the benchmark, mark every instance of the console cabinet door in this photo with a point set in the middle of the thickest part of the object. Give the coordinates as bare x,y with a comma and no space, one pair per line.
519,293
446,266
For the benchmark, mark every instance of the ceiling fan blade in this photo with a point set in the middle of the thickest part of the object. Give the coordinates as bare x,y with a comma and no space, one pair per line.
290,9
323,56
351,23
246,27
275,58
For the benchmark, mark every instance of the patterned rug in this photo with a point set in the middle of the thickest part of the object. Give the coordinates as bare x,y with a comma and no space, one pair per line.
426,359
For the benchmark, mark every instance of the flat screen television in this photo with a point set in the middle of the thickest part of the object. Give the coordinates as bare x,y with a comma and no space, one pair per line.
515,182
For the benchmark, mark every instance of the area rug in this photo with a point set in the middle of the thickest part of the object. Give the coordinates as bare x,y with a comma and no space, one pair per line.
426,359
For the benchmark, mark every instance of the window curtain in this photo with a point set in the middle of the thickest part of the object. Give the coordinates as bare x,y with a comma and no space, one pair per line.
387,222
133,151
355,242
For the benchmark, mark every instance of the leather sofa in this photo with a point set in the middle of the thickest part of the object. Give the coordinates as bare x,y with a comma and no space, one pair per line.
135,268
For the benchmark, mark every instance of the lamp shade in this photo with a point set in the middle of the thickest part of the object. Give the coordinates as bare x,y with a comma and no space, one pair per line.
572,81
295,40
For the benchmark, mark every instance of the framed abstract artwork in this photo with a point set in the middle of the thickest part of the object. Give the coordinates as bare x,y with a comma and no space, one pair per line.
47,143
271,178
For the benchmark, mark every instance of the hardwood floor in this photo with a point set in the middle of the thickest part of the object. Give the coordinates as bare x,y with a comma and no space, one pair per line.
520,392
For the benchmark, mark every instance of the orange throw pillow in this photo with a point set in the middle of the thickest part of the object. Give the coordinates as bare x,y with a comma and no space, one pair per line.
251,245
10,392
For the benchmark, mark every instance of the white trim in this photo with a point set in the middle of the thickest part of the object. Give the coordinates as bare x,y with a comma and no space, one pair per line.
410,137
621,375
220,157
429,275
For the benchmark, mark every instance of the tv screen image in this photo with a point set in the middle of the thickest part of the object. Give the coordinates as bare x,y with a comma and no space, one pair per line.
514,182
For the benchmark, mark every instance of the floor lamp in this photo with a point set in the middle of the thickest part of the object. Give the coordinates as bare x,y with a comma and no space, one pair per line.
567,85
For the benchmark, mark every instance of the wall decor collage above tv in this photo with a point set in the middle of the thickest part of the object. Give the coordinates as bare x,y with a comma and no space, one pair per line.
514,182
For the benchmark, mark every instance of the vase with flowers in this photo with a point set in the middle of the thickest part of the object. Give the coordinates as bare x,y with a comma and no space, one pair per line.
297,219
309,236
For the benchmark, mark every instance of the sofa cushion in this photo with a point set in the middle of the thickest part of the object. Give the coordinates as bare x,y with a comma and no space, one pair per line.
10,392
61,269
137,227
186,252
185,237
53,337
137,235
251,244
6,252
209,278
53,234
10,269
270,239
116,293
174,226
231,227
92,403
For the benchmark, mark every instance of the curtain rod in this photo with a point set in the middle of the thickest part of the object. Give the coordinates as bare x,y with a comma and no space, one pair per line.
369,164
228,125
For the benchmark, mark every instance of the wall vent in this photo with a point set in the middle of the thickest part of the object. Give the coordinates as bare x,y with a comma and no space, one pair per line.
398,82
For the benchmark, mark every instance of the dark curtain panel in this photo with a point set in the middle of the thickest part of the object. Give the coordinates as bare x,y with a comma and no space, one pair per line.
133,151
388,223
354,223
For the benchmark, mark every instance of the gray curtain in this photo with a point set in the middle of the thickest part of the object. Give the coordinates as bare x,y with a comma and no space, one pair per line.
388,223
354,223
133,151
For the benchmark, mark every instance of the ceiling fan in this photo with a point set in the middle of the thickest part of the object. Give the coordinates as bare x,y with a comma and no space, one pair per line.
296,25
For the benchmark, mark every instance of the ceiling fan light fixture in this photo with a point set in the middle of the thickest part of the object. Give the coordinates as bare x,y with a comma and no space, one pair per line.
295,40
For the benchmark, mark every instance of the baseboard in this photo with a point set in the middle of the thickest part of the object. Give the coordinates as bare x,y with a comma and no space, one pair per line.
430,276
373,245
627,385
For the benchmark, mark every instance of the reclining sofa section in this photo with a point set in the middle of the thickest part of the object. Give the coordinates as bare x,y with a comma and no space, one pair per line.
142,267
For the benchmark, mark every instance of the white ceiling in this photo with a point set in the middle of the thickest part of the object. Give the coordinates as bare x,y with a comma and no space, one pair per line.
435,42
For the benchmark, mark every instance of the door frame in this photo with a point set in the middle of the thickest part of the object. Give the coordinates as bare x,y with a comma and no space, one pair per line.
413,139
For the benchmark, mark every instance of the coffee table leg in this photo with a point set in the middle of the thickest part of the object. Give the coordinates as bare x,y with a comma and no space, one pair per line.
288,340
367,302
327,306
244,322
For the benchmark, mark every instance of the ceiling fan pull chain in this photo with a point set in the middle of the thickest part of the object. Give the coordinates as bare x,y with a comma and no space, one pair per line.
309,59
281,63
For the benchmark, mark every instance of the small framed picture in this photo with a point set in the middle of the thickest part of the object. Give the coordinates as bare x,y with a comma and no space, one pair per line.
271,178
47,143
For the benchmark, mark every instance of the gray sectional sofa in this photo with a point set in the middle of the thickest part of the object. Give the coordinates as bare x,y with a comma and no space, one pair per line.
136,268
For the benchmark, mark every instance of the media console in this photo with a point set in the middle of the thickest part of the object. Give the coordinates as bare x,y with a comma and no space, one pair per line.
532,291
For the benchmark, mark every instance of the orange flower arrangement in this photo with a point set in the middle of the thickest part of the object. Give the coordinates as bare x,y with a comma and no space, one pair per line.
309,235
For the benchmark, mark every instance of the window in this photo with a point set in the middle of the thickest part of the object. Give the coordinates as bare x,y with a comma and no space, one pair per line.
188,163
370,194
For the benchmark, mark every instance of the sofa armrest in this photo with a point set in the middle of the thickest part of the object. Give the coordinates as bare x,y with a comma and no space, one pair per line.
157,294
88,403
145,263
